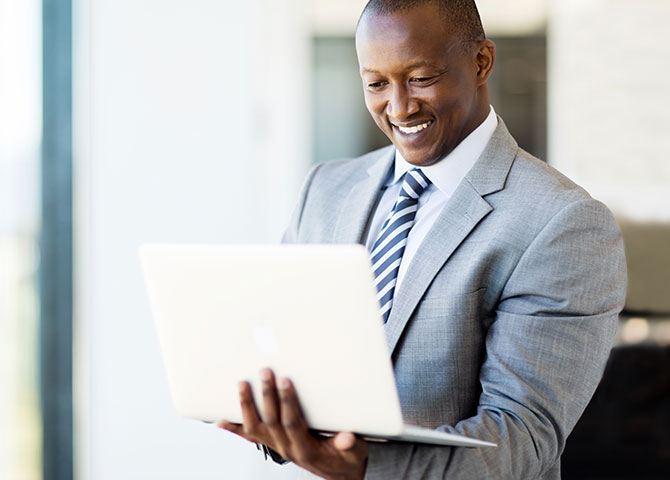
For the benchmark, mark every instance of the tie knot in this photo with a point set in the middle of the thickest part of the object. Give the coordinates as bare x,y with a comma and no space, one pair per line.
414,182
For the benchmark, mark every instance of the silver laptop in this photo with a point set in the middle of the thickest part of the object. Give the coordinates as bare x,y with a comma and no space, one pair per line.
307,311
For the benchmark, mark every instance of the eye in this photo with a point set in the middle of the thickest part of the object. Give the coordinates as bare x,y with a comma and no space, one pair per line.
421,80
376,85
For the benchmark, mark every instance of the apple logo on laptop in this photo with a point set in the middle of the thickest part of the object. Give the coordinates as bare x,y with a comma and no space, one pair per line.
264,338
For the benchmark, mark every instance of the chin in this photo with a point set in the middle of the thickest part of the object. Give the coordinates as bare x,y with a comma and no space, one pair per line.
420,160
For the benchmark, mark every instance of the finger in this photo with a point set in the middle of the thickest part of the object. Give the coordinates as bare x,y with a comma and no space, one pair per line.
271,410
294,422
344,441
236,429
270,398
352,448
226,425
250,418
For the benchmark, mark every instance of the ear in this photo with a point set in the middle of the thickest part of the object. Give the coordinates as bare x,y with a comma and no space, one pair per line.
486,58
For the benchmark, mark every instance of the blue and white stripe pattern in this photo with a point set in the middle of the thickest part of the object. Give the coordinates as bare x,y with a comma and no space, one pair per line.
388,249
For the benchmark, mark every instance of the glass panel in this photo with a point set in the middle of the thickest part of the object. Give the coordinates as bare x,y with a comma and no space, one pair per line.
20,135
518,89
342,125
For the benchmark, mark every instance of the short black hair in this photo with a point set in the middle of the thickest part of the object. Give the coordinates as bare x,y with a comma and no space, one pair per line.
461,15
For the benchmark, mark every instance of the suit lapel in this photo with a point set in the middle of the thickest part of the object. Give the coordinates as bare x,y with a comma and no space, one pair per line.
464,210
356,209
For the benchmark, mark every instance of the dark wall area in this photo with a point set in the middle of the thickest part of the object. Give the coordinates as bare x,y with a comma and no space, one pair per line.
625,430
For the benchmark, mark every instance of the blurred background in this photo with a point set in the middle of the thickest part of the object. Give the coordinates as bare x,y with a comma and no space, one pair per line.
132,121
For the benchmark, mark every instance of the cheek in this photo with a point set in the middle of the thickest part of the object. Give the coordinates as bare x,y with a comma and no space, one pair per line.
374,105
451,111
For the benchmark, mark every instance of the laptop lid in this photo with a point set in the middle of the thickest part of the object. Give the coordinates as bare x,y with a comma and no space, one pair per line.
307,311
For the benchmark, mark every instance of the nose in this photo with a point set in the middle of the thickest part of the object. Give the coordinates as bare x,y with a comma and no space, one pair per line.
401,104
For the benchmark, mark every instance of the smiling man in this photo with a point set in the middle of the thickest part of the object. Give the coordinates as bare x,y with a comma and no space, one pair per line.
424,79
500,280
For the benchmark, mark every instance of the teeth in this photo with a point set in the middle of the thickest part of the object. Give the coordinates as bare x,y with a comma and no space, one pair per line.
415,128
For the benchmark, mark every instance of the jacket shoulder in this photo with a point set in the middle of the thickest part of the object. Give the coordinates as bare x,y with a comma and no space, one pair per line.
334,177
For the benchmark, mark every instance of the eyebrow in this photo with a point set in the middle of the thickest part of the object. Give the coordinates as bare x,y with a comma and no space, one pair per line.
420,63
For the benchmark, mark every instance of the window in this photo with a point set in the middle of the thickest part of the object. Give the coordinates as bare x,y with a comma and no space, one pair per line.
20,137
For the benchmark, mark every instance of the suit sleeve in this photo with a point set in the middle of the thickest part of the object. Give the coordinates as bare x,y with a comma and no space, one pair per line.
545,352
292,231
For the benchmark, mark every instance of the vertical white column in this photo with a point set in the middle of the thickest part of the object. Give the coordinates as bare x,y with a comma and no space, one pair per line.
190,126
279,46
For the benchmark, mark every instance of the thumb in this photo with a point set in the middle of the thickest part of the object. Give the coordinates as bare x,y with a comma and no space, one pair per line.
344,441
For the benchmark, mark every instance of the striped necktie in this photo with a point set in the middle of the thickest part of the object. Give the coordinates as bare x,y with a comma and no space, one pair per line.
388,249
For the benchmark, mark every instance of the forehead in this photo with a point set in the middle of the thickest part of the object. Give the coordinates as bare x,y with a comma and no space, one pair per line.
406,37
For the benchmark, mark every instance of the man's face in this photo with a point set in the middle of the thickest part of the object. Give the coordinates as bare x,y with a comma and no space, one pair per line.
421,87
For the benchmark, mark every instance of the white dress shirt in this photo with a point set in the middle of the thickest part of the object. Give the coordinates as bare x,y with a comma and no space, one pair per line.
444,175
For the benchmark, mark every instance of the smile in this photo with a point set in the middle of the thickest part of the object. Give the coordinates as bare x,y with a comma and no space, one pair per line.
413,129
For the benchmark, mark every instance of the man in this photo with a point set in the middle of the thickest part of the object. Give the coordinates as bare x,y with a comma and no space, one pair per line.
502,310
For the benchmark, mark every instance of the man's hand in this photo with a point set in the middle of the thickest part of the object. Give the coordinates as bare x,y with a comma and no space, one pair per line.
285,430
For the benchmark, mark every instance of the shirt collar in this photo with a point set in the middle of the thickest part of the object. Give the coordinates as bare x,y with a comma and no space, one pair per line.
447,173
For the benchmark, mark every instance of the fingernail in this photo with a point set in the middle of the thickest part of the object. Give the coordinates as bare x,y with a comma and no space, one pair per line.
265,375
240,386
283,384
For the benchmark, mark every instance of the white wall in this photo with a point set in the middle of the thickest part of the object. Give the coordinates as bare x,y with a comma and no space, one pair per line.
609,101
177,106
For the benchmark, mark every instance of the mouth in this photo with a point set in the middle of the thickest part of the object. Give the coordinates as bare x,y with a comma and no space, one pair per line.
414,129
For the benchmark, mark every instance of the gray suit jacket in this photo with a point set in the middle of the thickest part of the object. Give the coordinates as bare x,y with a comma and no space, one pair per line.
504,322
